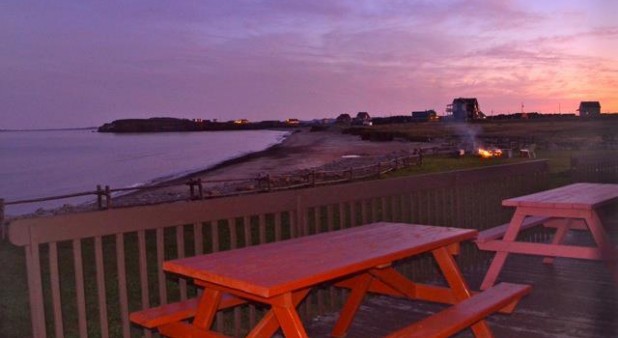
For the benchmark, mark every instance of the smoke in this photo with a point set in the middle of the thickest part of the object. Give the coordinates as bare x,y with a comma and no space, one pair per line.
468,135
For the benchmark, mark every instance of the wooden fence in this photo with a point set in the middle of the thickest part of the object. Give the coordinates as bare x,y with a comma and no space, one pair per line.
595,168
88,271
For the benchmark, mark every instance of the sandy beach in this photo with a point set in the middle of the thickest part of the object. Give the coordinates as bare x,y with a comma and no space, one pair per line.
302,150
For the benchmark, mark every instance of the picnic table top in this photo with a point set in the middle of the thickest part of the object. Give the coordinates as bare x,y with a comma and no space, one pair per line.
272,269
572,196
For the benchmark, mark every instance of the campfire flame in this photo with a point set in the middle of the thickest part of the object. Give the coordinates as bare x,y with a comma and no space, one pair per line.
489,153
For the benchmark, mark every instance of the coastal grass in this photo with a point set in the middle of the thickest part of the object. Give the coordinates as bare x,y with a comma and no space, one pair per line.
571,133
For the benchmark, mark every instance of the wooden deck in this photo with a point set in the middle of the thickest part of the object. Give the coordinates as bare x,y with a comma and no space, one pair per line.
572,298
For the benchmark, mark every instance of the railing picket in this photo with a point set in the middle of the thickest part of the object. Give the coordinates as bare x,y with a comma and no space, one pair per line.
100,276
247,231
343,219
143,273
278,217
55,287
160,273
36,290
198,238
262,228
122,285
180,244
330,217
79,288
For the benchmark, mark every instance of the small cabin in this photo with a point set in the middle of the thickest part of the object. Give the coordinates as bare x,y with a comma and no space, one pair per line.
589,109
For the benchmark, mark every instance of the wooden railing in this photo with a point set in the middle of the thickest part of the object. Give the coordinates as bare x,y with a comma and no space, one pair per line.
596,168
88,271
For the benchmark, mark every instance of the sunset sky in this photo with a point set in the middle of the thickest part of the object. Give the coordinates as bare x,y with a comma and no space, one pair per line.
84,63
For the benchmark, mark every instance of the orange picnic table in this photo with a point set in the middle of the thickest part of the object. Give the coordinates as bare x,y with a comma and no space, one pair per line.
571,207
281,274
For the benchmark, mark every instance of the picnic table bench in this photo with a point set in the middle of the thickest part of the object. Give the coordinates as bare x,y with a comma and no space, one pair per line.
281,274
571,207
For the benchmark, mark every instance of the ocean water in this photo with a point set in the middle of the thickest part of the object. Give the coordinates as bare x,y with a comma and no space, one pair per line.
36,164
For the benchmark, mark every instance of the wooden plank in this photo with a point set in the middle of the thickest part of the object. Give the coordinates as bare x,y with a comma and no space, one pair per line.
180,244
542,249
160,242
462,315
55,287
184,330
198,238
100,277
499,231
143,269
112,221
262,275
122,286
575,196
35,288
79,287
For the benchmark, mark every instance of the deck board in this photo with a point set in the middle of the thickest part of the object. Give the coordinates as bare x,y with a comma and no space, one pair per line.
572,298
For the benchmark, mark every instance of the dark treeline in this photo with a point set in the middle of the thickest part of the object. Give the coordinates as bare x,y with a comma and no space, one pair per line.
168,124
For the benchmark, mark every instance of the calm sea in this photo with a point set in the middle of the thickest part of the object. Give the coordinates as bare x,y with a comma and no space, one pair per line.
46,163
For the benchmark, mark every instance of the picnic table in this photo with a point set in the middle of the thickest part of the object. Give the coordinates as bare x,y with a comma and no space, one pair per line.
572,207
281,274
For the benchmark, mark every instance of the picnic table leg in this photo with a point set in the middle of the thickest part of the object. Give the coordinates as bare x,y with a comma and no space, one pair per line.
269,323
460,288
610,256
207,308
558,238
352,304
496,264
285,311
396,281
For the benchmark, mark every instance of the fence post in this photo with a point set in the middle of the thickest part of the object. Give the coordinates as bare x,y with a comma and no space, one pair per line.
99,196
2,227
108,197
191,183
200,188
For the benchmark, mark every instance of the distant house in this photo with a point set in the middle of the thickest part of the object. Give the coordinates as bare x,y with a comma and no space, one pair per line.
465,109
241,121
344,119
589,108
292,122
424,116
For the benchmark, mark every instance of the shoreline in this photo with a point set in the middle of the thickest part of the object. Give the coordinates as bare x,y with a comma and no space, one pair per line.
300,150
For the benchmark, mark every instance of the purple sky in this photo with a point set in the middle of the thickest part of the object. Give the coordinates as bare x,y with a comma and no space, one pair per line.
83,63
